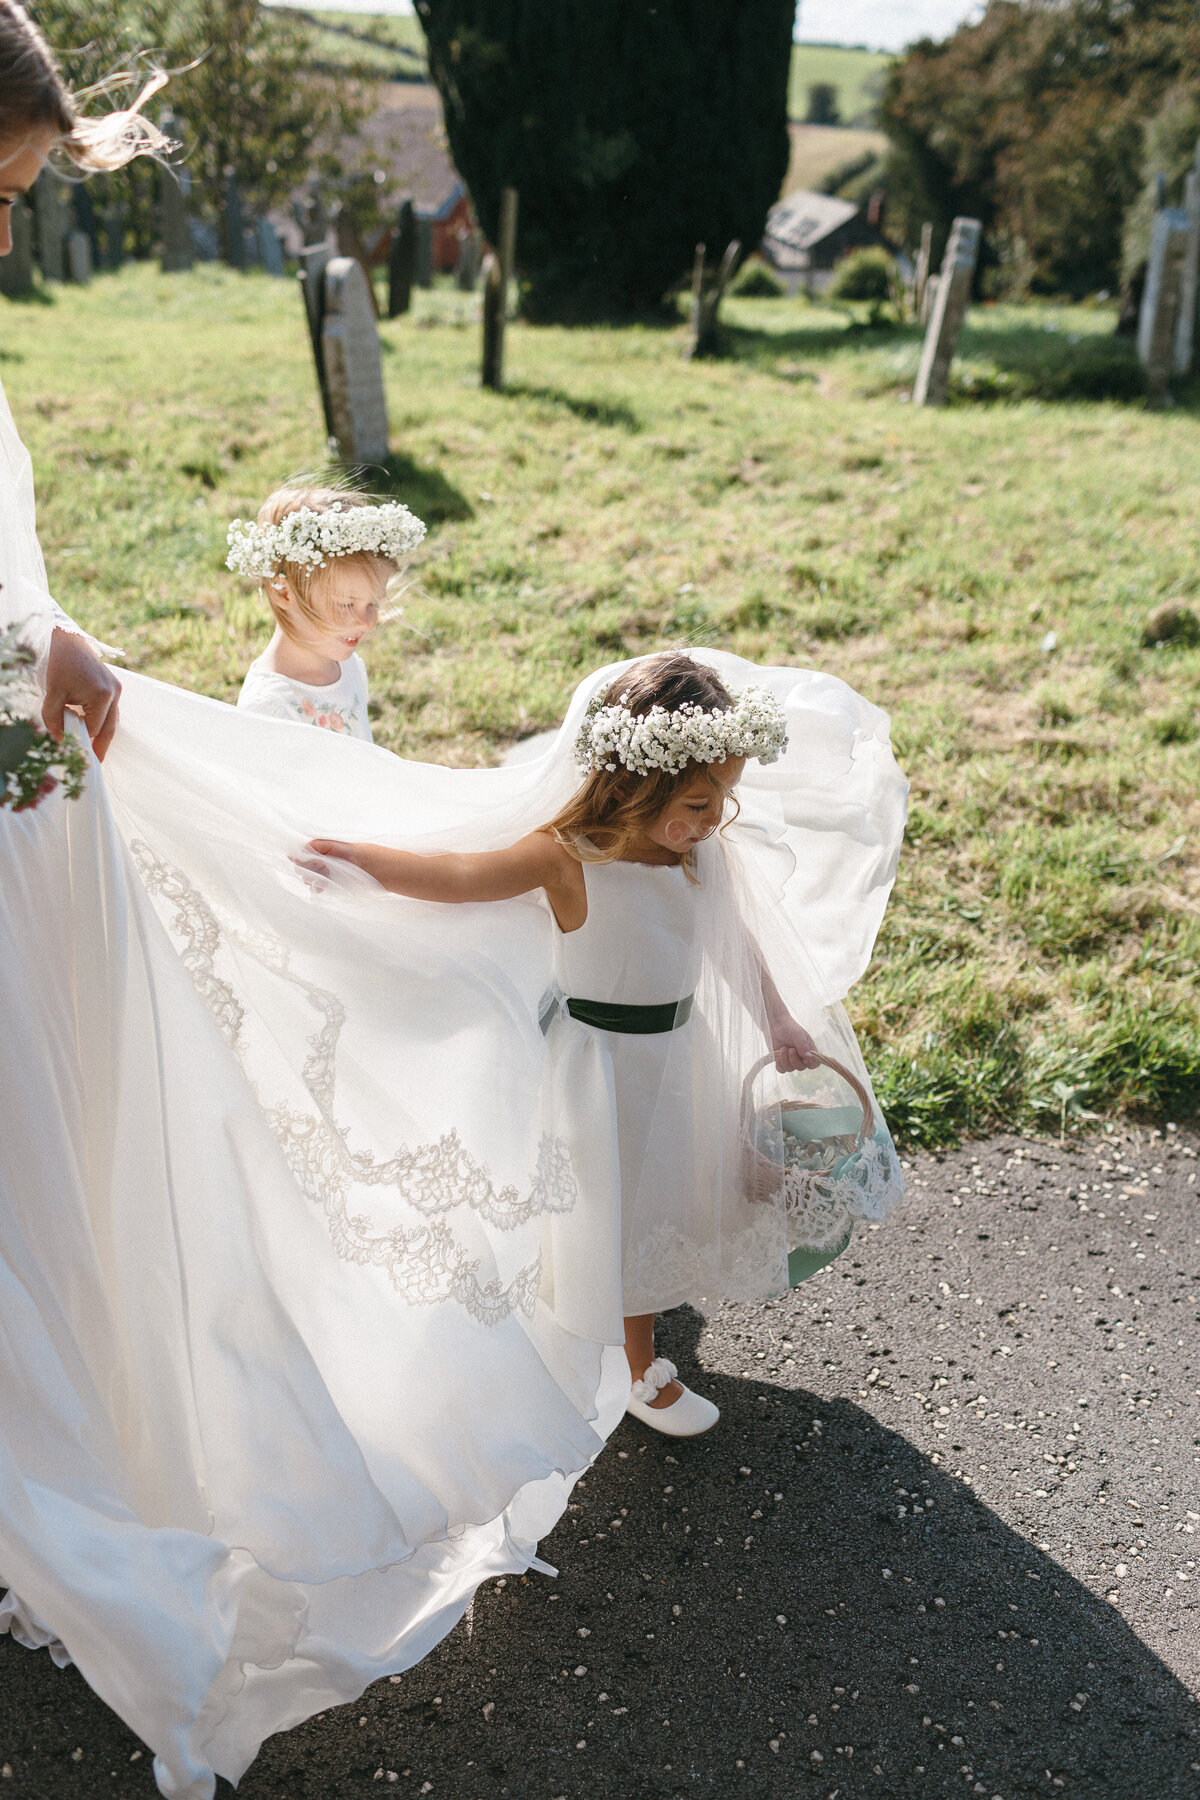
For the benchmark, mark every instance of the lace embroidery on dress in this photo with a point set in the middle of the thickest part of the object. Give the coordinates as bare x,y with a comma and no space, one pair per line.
747,1265
425,1263
200,936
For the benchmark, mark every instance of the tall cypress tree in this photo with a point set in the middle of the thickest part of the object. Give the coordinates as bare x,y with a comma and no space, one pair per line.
632,130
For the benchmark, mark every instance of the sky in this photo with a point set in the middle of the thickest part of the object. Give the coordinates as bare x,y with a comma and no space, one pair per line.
880,24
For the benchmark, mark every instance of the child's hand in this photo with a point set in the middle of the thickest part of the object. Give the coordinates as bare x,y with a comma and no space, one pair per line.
312,864
793,1047
321,847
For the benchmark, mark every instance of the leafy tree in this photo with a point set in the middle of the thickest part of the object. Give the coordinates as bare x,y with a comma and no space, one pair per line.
250,103
632,130
1032,120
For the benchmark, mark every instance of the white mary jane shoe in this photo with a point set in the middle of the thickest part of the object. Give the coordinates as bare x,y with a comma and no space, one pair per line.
691,1415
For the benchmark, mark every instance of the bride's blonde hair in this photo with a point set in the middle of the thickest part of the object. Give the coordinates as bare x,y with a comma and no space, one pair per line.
34,96
614,806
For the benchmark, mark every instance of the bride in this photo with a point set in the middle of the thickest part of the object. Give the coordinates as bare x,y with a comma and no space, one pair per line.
241,1475
280,1380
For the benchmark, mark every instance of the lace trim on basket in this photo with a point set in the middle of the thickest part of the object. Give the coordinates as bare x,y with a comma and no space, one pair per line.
426,1264
822,1208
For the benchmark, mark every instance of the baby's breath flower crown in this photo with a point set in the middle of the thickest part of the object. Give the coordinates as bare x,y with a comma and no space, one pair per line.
612,736
311,538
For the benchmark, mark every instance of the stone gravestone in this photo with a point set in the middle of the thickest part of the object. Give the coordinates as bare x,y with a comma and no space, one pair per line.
314,260
113,222
497,272
424,269
353,364
233,223
402,260
467,272
79,257
1189,287
706,299
270,249
173,189
921,275
85,217
206,240
350,242
1160,299
947,313
16,269
51,225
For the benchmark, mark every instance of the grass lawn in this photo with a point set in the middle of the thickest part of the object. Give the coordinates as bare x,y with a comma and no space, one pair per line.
984,572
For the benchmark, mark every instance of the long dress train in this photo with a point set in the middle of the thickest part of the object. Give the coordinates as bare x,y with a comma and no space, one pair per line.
308,1320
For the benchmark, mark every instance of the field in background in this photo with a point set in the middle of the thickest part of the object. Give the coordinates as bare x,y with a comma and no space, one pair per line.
392,46
985,573
820,150
855,74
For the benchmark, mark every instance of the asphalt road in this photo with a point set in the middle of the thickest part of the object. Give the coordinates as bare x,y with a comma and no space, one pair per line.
944,1541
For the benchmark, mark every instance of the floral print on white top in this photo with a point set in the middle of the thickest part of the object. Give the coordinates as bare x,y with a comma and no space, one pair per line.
340,706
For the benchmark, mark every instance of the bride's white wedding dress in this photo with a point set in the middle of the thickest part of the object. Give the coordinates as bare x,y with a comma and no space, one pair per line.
302,1335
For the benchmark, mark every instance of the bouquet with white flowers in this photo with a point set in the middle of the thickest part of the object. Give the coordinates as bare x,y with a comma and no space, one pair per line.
32,762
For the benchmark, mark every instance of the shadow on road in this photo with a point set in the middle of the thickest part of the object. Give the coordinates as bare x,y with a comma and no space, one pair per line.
801,1604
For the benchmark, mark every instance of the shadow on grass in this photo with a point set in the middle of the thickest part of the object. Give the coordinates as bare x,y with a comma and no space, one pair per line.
37,296
425,490
997,359
594,412
741,343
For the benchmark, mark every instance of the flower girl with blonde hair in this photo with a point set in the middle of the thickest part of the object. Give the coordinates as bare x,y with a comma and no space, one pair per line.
327,559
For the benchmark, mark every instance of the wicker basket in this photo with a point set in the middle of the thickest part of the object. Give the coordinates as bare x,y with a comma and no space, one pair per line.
816,1139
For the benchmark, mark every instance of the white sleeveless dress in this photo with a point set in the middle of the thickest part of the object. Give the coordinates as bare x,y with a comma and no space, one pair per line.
661,1098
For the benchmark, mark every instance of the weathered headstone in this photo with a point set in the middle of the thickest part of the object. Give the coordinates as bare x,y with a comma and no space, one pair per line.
402,259
84,208
113,224
79,257
1189,286
316,221
706,299
350,243
946,313
497,272
16,269
174,185
467,272
51,225
921,276
314,260
1160,299
233,223
206,240
423,274
270,249
353,364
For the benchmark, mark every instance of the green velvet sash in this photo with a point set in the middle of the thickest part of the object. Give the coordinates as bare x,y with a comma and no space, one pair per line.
639,1021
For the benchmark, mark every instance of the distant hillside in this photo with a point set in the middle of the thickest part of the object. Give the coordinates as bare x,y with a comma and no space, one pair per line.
388,46
392,48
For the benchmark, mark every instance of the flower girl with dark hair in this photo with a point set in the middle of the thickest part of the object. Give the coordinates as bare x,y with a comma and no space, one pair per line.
663,1002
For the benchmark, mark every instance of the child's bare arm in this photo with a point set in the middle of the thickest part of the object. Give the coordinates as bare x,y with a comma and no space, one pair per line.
536,861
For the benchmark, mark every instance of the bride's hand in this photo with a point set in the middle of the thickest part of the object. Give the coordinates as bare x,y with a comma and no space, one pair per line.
793,1047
